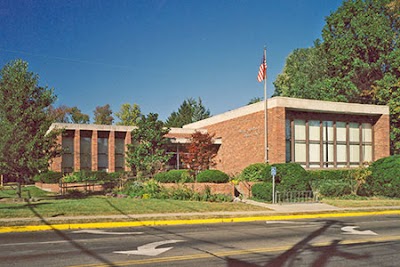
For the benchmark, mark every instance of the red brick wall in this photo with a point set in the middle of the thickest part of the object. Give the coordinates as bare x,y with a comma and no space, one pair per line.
77,150
382,138
55,164
95,160
111,152
276,135
242,142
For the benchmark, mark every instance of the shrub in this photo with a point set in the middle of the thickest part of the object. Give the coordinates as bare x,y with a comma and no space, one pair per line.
212,176
86,176
291,177
262,191
49,177
335,188
256,172
174,176
385,177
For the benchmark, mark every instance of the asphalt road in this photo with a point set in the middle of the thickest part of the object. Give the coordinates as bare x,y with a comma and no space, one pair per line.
346,241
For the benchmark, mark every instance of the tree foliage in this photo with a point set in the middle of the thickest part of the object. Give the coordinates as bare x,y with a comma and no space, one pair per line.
358,60
147,154
255,100
103,115
128,114
200,152
25,148
66,114
191,110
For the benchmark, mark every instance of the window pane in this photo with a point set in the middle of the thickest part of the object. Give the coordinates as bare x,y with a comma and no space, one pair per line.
300,130
102,145
102,162
314,153
314,130
68,144
355,153
300,152
327,131
341,131
119,162
367,132
367,153
288,151
328,152
119,146
354,132
86,145
341,154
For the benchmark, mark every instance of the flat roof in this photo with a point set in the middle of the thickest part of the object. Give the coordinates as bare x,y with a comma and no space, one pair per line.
306,105
176,135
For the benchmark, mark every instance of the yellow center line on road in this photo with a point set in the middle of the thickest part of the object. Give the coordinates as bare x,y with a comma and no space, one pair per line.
237,252
74,226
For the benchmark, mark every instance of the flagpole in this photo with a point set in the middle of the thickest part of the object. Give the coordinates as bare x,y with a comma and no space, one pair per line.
265,110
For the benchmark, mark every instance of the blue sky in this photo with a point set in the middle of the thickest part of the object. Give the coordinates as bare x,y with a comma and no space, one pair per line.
156,53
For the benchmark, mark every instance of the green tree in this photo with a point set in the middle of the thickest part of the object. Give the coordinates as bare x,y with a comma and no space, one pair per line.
191,110
128,114
147,154
77,116
102,115
255,100
25,148
358,60
66,114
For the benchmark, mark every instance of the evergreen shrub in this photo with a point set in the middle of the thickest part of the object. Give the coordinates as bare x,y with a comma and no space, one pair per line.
212,176
256,172
385,177
291,177
262,191
174,176
49,177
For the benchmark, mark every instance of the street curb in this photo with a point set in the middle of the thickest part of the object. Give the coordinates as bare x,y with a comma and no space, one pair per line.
73,226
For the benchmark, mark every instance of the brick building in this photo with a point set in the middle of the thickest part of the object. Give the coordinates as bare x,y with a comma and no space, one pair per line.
315,134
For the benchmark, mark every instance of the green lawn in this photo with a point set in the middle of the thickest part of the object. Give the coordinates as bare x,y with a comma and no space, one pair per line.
48,206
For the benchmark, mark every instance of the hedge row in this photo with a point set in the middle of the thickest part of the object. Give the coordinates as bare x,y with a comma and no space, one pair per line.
76,177
183,176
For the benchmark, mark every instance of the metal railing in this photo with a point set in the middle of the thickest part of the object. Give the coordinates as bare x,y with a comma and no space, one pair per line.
296,197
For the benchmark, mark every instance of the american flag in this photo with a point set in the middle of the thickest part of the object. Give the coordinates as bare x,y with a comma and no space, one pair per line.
262,72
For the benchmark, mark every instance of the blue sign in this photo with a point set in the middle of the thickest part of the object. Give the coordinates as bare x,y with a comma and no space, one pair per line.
273,171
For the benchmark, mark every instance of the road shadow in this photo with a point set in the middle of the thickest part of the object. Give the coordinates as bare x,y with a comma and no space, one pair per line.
290,257
75,244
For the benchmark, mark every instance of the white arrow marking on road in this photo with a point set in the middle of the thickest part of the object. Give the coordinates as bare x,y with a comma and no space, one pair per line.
350,230
101,232
150,249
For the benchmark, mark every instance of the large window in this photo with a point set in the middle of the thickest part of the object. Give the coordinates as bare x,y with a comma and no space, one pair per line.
119,151
300,142
86,150
102,151
67,163
314,136
328,143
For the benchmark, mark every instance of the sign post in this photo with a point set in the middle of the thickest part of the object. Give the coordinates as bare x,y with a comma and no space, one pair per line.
273,173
